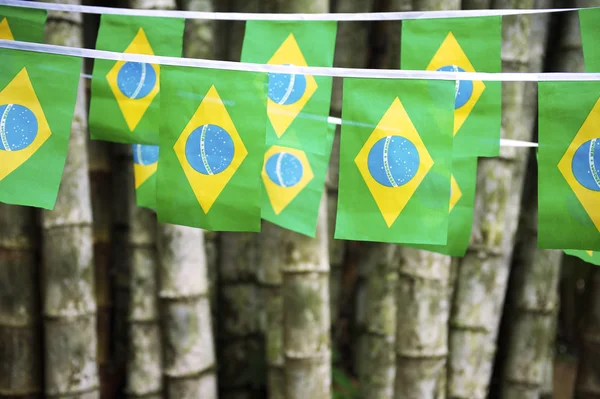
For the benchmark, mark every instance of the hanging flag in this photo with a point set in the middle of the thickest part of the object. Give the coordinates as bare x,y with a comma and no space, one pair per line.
462,45
588,256
125,101
22,24
294,181
395,161
462,199
297,105
569,165
212,144
590,32
37,102
145,163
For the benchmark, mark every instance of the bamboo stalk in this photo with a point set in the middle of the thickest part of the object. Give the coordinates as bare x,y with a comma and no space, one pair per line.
68,300
483,273
20,321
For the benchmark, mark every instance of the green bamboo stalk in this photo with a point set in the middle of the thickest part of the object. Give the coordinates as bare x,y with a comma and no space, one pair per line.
20,321
68,300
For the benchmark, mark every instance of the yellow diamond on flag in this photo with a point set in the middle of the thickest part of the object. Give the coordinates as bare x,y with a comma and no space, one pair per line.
450,57
288,93
135,84
5,32
210,149
580,165
286,172
590,253
145,162
23,125
455,192
393,162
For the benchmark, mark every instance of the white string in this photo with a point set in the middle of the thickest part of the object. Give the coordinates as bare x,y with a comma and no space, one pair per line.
293,69
238,16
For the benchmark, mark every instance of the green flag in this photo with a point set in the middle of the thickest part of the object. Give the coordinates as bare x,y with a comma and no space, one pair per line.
588,256
212,144
569,165
590,32
395,161
293,184
124,107
462,45
22,24
145,163
462,199
37,101
298,105
297,137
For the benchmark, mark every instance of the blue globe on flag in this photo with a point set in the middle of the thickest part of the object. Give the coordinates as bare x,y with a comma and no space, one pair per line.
18,127
145,154
464,88
284,169
209,149
136,79
393,161
586,164
286,89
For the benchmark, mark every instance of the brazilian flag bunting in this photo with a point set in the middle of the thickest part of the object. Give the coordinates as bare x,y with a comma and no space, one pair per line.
145,163
590,32
395,161
462,45
124,107
212,144
588,256
37,101
298,138
462,198
293,182
297,105
569,165
22,24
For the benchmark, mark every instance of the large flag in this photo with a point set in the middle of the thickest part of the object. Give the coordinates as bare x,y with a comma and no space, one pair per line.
293,182
569,165
212,144
588,256
23,24
125,103
462,198
395,161
145,163
37,101
590,32
462,45
297,105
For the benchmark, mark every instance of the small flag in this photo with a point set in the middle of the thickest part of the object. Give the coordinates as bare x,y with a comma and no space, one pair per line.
462,198
462,45
569,165
125,102
590,32
212,144
395,161
294,181
588,256
22,24
37,101
297,105
145,163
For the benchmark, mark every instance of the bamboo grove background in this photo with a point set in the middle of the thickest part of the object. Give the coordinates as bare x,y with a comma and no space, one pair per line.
98,300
